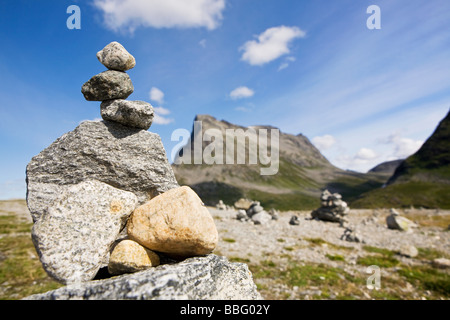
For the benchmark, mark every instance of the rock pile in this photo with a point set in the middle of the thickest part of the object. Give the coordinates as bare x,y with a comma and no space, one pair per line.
104,195
256,214
396,222
351,235
222,206
243,204
333,208
294,221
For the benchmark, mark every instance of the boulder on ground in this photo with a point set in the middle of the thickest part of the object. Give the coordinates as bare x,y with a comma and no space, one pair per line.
396,222
261,217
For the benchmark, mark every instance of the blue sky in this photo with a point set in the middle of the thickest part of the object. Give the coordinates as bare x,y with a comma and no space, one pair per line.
305,66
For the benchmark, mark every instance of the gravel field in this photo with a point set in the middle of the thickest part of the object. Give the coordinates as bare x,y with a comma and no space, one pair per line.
315,242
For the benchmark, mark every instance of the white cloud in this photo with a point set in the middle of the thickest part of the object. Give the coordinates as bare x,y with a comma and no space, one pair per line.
128,15
202,43
402,147
364,159
365,154
159,116
158,119
161,111
270,45
156,95
282,66
241,92
286,62
324,142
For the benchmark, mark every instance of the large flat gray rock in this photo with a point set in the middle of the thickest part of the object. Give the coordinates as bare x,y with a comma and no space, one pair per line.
126,158
201,278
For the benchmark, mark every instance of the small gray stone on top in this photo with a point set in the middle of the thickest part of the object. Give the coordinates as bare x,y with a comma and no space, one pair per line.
115,57
108,85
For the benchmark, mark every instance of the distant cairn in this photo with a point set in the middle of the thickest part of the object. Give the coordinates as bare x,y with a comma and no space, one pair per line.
333,208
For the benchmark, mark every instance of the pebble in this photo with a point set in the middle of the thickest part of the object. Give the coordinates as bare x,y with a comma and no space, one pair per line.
115,57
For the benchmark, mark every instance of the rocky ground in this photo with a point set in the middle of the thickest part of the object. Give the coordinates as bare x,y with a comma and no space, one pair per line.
305,261
310,261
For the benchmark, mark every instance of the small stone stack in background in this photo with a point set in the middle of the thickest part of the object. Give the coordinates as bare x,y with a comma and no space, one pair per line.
333,209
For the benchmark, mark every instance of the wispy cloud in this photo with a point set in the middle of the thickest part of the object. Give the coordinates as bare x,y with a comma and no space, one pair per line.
128,15
160,113
324,142
160,116
241,93
156,95
202,43
270,45
402,147
286,63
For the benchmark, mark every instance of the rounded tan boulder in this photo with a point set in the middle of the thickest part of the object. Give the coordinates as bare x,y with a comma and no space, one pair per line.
176,223
129,256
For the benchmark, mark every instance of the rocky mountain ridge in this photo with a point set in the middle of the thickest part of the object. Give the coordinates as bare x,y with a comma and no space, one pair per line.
302,174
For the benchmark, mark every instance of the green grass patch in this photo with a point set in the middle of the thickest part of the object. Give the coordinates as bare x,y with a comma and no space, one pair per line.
380,261
11,224
316,241
382,251
431,254
21,273
320,241
405,195
428,279
329,279
351,184
238,259
383,258
336,257
229,240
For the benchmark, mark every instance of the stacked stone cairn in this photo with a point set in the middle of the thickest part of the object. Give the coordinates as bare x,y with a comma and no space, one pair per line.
222,206
333,208
256,214
113,86
105,195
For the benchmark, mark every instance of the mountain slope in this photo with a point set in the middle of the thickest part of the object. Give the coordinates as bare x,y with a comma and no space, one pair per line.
302,170
387,167
423,179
